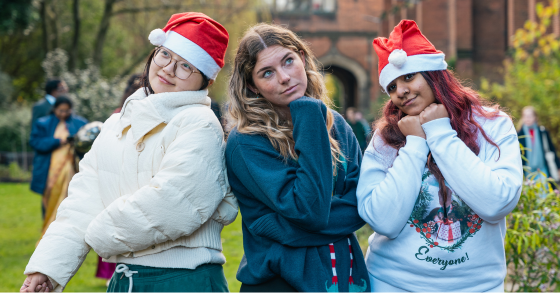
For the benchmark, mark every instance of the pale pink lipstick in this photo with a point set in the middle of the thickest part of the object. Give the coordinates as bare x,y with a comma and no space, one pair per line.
408,102
163,80
290,90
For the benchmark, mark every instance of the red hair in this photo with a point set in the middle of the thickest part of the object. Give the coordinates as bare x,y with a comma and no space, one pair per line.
462,103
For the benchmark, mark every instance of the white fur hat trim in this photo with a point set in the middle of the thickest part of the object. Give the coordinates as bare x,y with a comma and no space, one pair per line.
414,63
193,53
398,58
157,37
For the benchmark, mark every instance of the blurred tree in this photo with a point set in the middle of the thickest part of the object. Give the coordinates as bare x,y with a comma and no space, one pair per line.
102,42
29,29
15,15
532,74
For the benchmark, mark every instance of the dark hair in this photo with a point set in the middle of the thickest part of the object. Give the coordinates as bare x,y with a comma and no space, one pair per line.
52,85
134,83
62,100
145,81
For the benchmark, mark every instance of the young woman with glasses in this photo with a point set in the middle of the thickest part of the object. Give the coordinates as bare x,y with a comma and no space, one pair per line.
152,195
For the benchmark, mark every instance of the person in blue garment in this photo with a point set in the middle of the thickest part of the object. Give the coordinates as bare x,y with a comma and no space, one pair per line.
50,133
53,89
293,164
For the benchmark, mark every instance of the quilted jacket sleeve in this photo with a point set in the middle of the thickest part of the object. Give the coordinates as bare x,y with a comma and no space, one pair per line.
168,208
63,249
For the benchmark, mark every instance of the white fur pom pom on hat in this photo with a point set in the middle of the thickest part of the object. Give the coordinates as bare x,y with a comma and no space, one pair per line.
398,58
157,37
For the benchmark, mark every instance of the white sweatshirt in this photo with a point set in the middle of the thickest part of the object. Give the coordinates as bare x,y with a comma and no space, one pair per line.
414,248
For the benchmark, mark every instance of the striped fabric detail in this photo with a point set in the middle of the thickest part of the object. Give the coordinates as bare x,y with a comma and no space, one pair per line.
350,280
333,263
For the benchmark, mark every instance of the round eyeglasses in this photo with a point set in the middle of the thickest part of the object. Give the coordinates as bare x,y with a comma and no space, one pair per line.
181,68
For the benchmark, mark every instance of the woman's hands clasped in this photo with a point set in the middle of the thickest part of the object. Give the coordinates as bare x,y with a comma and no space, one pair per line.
412,125
432,112
36,282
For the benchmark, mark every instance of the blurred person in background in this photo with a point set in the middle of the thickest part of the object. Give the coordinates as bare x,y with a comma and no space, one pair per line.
357,127
133,84
360,117
538,147
53,164
53,88
217,109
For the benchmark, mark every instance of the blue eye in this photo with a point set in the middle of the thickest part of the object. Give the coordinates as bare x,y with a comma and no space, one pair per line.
289,61
267,73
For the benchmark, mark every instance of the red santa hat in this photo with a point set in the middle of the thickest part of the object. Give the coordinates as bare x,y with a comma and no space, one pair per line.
197,38
406,51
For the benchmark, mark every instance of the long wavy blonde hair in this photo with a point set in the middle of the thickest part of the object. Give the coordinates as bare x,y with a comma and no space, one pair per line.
253,114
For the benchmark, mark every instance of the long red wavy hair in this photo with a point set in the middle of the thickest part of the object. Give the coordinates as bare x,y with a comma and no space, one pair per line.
462,104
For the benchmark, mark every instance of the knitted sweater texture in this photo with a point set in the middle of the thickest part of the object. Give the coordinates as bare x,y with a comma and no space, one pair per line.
290,212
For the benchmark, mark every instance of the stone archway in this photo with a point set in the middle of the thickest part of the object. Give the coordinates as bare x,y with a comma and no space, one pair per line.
349,86
353,76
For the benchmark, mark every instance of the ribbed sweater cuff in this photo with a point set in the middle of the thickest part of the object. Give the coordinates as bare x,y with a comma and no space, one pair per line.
265,228
436,127
417,145
177,257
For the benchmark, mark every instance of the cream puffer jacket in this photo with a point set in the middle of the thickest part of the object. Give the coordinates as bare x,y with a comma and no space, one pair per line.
154,179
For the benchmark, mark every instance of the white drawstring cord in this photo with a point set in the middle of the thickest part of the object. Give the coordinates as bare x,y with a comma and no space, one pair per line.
122,268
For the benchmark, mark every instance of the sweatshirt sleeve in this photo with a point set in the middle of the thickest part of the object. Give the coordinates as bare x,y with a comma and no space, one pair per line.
344,218
40,141
490,186
62,249
167,208
300,194
387,194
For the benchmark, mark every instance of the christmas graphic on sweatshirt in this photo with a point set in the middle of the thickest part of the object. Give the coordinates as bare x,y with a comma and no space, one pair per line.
422,233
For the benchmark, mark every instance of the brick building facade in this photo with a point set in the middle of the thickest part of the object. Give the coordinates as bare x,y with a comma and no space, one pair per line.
474,34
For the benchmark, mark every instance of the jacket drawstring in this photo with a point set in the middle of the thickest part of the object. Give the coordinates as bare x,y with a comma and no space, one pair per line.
122,268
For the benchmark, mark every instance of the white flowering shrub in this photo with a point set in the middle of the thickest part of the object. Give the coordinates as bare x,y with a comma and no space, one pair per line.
6,89
15,125
95,97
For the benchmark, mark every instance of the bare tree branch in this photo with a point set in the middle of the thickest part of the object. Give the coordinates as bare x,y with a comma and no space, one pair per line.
74,49
52,14
141,58
45,37
102,33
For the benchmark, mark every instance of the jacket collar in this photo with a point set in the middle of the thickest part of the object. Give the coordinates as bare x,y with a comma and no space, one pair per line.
150,111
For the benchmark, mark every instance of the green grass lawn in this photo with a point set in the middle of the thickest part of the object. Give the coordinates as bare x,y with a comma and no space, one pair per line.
20,228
